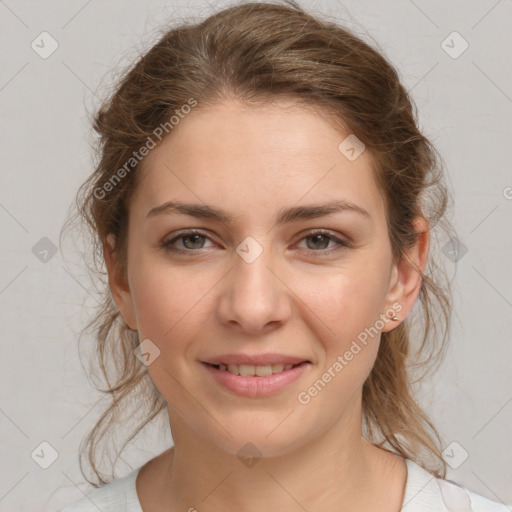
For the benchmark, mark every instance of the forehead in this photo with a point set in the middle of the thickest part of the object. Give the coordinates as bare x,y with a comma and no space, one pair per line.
247,156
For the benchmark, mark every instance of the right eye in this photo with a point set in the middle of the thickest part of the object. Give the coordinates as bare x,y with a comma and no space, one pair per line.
190,240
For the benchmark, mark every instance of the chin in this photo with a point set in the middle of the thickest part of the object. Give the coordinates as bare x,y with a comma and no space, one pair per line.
259,435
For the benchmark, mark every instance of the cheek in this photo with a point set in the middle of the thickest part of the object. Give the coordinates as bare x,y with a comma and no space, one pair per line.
346,299
347,306
158,296
171,305
157,306
170,314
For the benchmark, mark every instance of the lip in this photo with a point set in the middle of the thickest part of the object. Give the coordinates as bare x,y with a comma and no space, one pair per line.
255,359
254,386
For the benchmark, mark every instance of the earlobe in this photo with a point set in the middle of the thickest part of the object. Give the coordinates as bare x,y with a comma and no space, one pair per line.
118,285
406,279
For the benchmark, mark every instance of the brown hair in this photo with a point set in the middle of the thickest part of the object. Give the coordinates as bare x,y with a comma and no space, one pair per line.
260,52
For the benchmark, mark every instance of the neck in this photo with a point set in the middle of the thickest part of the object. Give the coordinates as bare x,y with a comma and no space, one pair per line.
339,470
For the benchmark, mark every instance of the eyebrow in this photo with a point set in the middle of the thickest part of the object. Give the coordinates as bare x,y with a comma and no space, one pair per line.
284,216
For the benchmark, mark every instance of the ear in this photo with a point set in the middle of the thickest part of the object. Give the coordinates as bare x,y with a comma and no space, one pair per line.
118,284
405,282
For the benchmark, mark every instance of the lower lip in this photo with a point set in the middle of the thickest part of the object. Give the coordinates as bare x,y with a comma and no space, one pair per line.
256,386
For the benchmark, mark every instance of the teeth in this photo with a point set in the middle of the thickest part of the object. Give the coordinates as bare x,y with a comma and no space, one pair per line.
263,371
250,370
245,370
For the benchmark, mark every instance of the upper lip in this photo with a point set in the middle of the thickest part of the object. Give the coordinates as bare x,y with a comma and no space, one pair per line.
255,359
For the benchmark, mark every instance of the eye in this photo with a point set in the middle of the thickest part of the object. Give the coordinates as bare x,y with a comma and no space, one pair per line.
194,241
190,240
320,240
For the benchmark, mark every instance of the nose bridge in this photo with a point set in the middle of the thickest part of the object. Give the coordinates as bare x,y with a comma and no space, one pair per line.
254,296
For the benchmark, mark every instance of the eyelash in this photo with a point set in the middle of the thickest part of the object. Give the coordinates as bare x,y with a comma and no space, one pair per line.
167,244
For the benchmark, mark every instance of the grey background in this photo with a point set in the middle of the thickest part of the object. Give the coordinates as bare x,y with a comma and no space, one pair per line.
465,105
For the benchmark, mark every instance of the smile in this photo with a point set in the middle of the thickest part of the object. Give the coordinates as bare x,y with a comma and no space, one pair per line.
249,370
256,380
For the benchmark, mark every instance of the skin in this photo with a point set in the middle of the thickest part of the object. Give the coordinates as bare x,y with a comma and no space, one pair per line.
252,162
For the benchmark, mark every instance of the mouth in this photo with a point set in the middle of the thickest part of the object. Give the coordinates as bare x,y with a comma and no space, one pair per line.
256,376
251,370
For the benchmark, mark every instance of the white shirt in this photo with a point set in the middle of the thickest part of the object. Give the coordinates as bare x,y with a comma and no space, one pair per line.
423,493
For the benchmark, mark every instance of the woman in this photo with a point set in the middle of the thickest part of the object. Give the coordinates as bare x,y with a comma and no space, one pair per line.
264,203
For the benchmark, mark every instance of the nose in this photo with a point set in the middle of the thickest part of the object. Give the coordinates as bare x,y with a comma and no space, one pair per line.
254,297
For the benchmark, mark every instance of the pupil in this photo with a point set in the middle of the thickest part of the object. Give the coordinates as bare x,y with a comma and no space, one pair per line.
188,237
315,239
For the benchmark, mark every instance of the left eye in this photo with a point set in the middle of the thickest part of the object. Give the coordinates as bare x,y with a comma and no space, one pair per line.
320,241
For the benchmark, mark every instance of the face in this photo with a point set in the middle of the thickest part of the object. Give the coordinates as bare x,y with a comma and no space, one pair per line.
268,277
